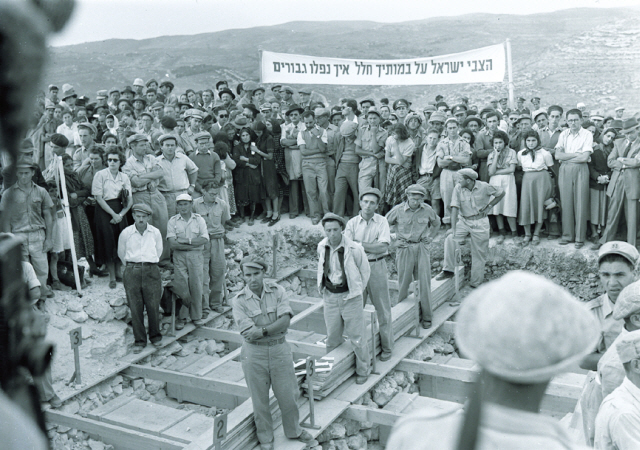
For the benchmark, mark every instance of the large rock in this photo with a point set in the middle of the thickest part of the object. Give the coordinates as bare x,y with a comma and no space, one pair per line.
384,391
99,310
71,407
357,442
117,301
153,386
74,305
334,431
121,312
78,316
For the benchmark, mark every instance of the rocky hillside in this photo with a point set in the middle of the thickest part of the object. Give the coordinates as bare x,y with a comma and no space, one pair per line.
588,55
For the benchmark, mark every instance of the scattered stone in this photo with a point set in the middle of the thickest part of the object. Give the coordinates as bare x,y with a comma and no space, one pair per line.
143,395
341,444
153,386
239,256
96,445
137,384
71,407
170,349
79,316
120,312
212,347
117,389
202,347
117,380
447,349
62,429
74,305
334,431
351,426
384,391
357,442
168,362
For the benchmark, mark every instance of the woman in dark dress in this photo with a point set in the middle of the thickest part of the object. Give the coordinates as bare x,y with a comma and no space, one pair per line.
247,174
273,126
110,187
265,145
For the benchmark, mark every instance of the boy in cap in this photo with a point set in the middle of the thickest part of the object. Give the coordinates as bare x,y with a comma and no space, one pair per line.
522,330
416,224
139,249
471,201
343,273
371,230
187,234
263,314
618,421
617,266
372,169
207,161
610,369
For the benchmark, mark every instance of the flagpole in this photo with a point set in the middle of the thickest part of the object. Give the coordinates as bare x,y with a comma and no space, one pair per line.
512,102
67,213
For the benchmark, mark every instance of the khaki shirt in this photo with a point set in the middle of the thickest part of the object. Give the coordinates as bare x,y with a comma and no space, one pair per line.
26,208
195,227
376,230
214,215
602,308
250,310
618,421
413,226
471,202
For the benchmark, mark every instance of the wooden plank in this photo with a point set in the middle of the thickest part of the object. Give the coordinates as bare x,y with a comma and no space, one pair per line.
400,402
308,274
239,389
437,370
109,407
146,417
190,428
377,416
119,437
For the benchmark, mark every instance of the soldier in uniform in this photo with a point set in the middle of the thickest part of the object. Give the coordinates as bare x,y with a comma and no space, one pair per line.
522,330
263,314
471,201
371,230
610,369
617,263
618,421
416,226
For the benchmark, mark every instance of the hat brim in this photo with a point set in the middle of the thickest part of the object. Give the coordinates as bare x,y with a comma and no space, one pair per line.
619,253
300,110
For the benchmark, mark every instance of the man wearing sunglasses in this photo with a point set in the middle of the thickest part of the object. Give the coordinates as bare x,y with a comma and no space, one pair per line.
222,117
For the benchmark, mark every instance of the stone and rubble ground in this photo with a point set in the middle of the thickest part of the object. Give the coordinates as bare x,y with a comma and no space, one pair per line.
104,317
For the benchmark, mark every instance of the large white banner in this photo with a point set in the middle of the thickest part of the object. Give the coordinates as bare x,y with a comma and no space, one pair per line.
483,65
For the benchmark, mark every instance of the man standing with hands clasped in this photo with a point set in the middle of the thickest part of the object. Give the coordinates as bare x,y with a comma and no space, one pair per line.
417,224
371,230
471,201
263,314
139,249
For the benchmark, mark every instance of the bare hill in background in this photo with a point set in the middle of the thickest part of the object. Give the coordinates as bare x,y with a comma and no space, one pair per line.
589,55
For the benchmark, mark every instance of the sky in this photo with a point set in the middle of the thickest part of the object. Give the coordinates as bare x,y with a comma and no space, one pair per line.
96,20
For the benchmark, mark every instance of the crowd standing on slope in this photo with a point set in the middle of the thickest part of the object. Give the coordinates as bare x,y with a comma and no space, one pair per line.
155,179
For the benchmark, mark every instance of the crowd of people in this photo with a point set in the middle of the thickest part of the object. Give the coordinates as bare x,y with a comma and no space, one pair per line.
154,179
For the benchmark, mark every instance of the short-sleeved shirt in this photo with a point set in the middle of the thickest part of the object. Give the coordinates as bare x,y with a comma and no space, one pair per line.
376,230
413,225
602,308
176,172
26,207
542,160
428,160
471,202
371,140
214,215
610,369
134,167
136,247
250,310
618,420
447,147
108,186
406,149
511,158
193,228
291,131
576,143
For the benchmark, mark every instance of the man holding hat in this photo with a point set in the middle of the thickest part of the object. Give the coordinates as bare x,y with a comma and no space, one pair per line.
313,142
573,150
139,249
371,230
293,158
471,201
452,155
27,209
618,421
187,234
416,226
522,330
370,147
347,161
262,312
342,275
624,187
610,370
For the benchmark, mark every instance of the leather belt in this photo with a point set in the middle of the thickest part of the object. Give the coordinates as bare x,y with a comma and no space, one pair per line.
476,217
268,343
377,259
129,263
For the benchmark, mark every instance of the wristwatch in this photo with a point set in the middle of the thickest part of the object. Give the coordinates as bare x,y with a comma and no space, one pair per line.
265,332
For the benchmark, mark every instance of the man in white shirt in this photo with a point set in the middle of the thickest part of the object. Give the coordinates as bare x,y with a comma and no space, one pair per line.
312,142
573,150
139,249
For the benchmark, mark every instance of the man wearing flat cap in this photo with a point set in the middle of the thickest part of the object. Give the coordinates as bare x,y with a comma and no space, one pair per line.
618,421
452,155
471,201
416,224
370,142
293,158
610,369
323,116
371,230
343,274
187,234
520,108
262,312
313,143
347,161
623,189
139,249
207,161
522,330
